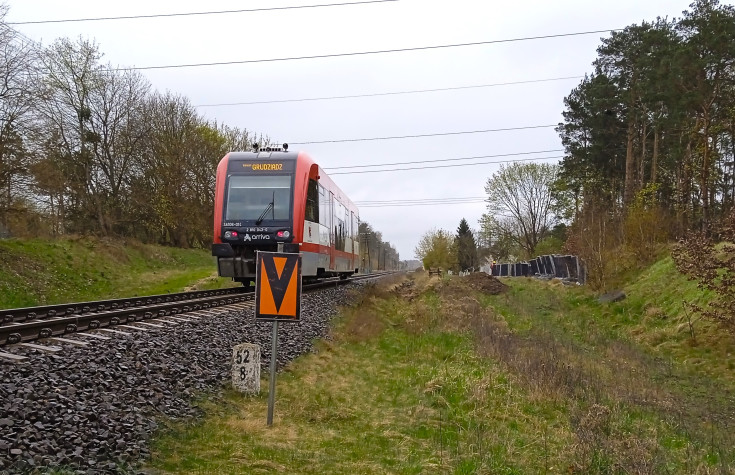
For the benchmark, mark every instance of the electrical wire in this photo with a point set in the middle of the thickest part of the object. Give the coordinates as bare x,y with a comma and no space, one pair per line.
395,93
365,53
421,202
448,166
438,134
446,159
395,205
167,15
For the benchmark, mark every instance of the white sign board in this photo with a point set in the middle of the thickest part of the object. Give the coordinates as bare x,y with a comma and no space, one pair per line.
246,368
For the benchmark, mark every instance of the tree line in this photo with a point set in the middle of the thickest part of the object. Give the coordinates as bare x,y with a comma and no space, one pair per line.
649,137
440,249
88,148
376,254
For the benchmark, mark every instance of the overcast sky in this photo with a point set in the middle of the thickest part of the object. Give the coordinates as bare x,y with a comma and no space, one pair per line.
532,105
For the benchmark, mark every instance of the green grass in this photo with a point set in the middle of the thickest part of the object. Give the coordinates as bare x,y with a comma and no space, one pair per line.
637,356
434,377
395,401
540,379
36,272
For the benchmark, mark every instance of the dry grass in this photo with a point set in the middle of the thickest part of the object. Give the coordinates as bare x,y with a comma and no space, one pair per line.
427,375
362,325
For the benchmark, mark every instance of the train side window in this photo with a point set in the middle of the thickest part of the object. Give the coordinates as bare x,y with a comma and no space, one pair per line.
346,214
312,202
338,224
340,241
323,206
338,213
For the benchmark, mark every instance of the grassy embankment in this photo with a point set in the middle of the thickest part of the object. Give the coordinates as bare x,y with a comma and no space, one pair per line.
433,376
36,272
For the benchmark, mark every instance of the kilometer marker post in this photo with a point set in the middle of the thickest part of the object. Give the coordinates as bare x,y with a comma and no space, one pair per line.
277,299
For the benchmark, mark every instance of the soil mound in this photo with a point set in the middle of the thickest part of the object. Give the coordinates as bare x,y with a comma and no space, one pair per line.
484,283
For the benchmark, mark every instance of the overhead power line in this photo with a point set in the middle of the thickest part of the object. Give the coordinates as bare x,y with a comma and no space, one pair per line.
445,159
394,93
438,134
448,166
415,204
220,12
421,202
365,53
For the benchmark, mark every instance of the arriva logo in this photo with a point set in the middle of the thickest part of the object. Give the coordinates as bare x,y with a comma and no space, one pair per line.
262,237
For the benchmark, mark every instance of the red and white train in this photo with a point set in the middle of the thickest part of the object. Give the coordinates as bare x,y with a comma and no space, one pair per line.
271,196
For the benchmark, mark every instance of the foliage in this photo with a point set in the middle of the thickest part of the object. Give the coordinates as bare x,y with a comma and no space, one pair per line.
498,241
437,249
595,237
613,244
376,254
649,140
18,74
466,247
550,245
646,226
520,196
712,266
656,111
87,148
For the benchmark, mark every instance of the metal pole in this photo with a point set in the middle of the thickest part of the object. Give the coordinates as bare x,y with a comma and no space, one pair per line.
274,352
272,385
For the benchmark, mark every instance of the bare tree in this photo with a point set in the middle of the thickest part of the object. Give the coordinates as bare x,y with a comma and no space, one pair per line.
115,134
520,198
236,140
71,74
92,113
18,74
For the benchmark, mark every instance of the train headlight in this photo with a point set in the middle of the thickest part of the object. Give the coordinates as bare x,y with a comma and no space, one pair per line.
283,234
230,234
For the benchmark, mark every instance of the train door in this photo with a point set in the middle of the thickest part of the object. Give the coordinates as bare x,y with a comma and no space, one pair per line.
325,226
354,260
332,233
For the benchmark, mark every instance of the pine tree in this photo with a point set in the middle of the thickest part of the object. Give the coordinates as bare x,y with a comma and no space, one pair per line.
466,247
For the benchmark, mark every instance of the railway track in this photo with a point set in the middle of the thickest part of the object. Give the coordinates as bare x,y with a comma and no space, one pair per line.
23,326
91,404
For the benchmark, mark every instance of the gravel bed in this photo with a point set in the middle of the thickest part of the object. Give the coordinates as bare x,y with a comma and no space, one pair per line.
93,409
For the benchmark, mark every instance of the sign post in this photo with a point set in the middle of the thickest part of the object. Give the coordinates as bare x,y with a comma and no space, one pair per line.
272,381
277,299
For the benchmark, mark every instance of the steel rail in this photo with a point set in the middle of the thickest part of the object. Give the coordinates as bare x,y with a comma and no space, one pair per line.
56,310
55,326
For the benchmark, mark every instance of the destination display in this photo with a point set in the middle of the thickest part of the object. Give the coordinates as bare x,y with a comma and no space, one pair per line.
261,166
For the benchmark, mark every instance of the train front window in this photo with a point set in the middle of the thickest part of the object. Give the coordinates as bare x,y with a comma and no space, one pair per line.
265,198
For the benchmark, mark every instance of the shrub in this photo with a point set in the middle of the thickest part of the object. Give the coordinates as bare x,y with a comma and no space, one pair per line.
712,266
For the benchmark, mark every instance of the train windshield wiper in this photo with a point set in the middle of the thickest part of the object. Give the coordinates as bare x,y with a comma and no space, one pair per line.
271,206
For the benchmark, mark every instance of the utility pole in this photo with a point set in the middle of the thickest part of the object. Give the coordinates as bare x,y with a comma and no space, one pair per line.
367,243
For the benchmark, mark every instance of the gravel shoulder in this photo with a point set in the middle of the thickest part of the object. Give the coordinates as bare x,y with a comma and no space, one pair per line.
94,409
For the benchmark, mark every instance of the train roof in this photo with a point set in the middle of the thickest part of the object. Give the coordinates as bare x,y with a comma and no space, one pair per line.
263,155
